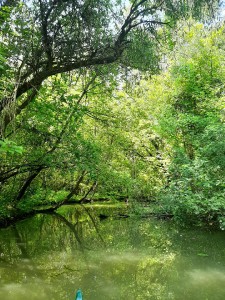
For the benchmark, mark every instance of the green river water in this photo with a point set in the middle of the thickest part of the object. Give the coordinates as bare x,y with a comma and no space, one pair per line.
48,257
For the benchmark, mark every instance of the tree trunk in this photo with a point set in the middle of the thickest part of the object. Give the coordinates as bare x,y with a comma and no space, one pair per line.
28,183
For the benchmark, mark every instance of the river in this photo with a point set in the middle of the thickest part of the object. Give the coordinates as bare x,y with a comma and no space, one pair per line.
48,257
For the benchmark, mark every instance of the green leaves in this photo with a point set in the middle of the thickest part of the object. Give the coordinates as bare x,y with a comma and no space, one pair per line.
196,128
7,146
79,104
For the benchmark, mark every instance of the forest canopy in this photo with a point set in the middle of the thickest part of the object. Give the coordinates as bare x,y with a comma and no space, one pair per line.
112,99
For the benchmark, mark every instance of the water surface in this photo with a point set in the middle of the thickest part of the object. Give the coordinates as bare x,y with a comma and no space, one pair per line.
50,256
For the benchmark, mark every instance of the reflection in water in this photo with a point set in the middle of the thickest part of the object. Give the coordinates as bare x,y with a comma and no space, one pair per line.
51,256
208,282
207,277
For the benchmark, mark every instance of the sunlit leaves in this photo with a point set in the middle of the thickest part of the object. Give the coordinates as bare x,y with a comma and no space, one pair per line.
197,126
7,146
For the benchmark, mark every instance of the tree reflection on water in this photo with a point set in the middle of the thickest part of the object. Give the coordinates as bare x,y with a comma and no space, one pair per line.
51,256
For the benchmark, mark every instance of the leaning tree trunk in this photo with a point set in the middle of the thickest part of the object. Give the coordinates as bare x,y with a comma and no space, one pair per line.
27,183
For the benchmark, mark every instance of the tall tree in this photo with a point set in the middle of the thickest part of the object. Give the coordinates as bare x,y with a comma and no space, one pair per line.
55,36
59,58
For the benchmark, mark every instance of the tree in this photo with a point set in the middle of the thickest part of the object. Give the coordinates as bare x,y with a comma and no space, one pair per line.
194,122
52,37
61,57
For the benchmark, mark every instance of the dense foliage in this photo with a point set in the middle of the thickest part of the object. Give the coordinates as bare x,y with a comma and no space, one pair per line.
195,120
110,99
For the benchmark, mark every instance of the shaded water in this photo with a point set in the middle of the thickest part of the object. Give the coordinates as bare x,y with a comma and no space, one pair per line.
50,256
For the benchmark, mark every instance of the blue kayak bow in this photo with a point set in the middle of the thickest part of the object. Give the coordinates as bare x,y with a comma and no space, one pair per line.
79,295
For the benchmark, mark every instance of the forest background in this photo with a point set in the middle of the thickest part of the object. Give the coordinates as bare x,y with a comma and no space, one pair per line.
113,100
